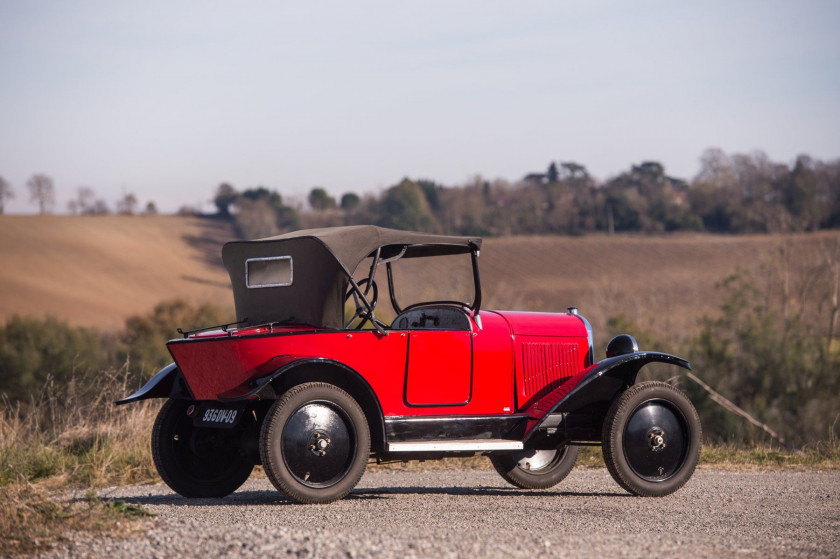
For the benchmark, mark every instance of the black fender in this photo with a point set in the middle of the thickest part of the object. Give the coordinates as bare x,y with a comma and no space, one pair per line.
593,396
319,369
167,383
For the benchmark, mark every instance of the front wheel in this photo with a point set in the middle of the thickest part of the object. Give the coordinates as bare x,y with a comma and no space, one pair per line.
199,461
536,469
651,439
315,443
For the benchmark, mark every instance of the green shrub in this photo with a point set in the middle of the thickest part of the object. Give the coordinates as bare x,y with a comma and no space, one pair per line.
37,352
33,350
770,359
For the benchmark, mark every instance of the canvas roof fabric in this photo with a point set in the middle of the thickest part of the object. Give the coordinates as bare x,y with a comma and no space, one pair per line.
322,261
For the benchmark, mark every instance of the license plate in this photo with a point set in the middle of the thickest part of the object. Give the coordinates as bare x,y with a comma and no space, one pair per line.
218,417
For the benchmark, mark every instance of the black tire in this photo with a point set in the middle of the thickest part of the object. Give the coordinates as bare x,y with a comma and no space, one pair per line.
536,469
315,443
651,439
199,461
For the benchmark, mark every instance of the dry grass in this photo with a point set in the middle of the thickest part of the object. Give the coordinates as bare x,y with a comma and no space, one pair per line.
77,437
32,517
73,439
823,456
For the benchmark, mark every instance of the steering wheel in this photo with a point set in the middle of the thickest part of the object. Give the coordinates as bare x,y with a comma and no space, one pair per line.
361,310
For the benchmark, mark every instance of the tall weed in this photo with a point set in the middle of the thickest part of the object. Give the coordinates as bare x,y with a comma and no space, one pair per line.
74,433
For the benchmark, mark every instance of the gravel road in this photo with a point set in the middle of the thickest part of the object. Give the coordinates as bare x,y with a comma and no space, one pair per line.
474,513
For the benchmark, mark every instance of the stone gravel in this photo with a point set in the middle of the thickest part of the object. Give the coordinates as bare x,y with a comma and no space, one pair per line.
452,513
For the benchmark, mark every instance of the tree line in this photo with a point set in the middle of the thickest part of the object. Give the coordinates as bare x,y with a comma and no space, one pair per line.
732,193
41,189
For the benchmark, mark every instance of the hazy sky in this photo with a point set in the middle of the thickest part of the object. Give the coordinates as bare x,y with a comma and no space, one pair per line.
167,99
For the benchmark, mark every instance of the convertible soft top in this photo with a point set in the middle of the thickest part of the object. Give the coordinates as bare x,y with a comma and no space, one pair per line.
301,277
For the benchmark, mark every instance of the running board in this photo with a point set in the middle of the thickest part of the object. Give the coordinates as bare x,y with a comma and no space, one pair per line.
455,446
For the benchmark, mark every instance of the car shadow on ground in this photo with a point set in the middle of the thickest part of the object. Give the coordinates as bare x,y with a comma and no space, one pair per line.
247,498
480,492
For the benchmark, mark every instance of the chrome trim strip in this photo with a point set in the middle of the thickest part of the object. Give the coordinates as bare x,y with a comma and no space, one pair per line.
590,336
433,446
438,418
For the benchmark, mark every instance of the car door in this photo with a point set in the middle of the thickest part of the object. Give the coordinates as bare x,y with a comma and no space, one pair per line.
439,356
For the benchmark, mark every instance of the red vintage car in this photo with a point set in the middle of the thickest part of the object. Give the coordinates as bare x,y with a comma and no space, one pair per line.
313,381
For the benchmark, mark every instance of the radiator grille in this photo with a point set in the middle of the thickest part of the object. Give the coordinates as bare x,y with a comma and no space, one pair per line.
544,363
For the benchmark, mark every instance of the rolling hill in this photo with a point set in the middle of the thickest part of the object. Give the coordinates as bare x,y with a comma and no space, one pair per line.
97,271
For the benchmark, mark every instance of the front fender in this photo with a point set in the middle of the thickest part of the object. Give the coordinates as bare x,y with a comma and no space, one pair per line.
596,389
167,383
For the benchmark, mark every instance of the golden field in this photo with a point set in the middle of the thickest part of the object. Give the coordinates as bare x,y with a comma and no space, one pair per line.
96,271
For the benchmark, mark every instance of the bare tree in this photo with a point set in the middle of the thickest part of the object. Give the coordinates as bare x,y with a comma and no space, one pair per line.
100,207
85,203
85,200
42,191
6,193
128,204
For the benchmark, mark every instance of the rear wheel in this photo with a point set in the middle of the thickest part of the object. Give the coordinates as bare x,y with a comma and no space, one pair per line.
536,469
315,443
651,439
199,461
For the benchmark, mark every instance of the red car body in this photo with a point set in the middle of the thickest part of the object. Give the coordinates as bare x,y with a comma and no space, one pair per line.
501,368
444,377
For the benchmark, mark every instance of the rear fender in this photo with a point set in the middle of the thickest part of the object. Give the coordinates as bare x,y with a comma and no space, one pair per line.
597,389
297,369
167,383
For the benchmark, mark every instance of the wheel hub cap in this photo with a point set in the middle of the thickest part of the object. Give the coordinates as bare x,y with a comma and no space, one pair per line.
318,442
656,440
